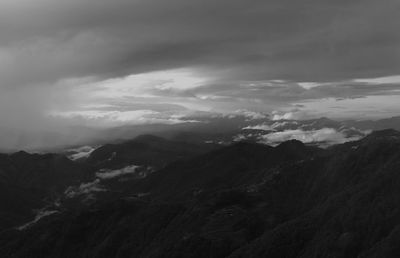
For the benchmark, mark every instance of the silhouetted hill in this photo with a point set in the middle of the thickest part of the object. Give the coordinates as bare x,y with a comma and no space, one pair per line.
144,150
28,181
44,171
233,166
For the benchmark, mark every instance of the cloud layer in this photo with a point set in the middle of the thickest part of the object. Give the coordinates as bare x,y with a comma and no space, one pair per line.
322,137
64,63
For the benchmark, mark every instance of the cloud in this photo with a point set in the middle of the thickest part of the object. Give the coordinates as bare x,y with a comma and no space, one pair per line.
96,118
109,174
250,115
261,40
263,127
39,215
81,152
84,189
394,79
368,107
118,58
323,137
277,126
293,115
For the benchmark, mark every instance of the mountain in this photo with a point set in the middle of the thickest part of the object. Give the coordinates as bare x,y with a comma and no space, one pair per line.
233,166
145,150
31,184
223,129
380,124
242,200
29,181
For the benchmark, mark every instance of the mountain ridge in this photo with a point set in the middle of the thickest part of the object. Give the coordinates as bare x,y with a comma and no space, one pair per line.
243,200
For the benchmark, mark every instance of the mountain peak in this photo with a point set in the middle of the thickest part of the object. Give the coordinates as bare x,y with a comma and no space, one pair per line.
296,144
21,154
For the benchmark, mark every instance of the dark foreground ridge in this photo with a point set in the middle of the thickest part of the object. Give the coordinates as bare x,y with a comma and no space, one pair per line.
244,200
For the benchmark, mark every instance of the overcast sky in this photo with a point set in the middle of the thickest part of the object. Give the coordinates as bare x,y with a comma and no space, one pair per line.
131,61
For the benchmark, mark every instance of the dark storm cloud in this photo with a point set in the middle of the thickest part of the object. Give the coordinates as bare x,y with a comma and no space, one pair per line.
259,40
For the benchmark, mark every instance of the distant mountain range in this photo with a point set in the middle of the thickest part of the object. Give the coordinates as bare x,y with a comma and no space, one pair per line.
216,128
157,197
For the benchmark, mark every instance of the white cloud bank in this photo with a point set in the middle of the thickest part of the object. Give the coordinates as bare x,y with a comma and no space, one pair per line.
109,174
84,189
81,152
274,127
292,115
119,118
322,137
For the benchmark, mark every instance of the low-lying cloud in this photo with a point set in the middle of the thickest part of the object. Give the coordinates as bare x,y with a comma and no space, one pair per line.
322,137
84,189
109,174
80,153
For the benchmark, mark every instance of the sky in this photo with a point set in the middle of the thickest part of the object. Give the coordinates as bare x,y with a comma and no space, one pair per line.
111,63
